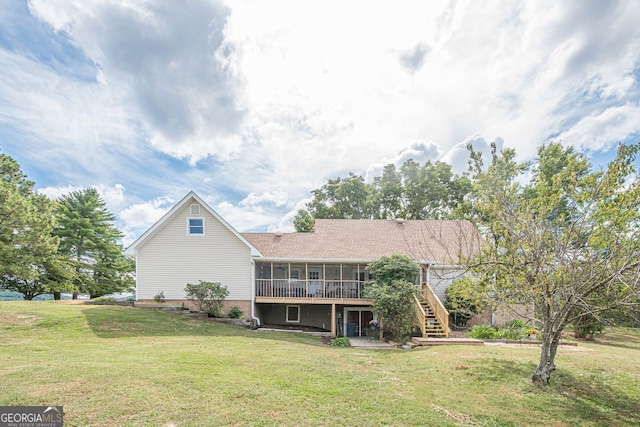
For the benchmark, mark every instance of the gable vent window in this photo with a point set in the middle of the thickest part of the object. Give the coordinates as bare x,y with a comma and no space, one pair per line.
194,209
196,226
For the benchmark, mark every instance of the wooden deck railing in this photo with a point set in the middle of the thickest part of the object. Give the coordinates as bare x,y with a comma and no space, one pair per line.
441,313
422,316
293,288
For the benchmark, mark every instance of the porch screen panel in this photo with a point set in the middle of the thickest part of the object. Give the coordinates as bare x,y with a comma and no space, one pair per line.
280,280
315,279
298,282
350,280
334,284
264,285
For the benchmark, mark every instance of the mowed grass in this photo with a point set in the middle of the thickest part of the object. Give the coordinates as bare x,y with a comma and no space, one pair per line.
124,366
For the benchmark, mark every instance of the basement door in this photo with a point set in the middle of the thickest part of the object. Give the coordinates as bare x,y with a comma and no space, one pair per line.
357,321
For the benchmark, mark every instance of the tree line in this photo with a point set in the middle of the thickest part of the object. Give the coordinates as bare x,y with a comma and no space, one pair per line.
412,191
556,231
49,247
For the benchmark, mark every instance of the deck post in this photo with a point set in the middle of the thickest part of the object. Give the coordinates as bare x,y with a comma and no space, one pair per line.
333,319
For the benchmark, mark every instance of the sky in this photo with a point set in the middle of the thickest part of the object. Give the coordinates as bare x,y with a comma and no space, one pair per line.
254,104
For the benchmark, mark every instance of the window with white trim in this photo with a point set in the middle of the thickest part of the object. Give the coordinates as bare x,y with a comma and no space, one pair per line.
195,226
293,314
194,209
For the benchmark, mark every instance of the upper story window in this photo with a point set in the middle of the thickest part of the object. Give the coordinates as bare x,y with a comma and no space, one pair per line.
194,209
196,226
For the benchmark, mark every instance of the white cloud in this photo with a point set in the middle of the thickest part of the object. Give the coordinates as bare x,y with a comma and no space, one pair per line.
144,215
286,221
458,156
601,131
255,104
245,219
276,198
56,192
138,217
170,60
419,151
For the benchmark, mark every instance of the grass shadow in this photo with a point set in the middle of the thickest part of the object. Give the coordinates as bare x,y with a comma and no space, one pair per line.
582,399
110,322
620,340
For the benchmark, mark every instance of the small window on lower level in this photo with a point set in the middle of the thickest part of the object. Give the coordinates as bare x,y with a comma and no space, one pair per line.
293,314
196,226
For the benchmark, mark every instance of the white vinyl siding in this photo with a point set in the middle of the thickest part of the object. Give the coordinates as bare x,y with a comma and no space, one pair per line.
441,278
172,258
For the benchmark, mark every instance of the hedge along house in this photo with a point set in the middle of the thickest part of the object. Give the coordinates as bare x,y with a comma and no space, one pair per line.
313,279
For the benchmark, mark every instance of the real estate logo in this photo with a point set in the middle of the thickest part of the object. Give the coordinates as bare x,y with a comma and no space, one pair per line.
31,416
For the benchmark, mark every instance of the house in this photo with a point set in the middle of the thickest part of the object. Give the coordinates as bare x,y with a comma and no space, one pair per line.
313,279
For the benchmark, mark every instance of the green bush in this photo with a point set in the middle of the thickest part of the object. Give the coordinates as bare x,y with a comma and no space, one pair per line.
514,330
208,296
103,299
511,334
464,299
586,326
483,332
392,292
235,312
341,342
159,297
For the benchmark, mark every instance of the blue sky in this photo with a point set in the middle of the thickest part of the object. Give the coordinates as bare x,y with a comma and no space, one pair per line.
254,104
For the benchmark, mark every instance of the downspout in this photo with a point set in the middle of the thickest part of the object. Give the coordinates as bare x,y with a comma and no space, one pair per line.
253,293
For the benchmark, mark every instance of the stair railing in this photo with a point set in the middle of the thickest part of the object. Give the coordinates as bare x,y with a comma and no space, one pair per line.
441,313
422,317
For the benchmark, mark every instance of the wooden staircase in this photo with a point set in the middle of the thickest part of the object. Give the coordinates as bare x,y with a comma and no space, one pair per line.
433,318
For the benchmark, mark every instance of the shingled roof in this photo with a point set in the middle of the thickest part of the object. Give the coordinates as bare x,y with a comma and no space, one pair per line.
440,242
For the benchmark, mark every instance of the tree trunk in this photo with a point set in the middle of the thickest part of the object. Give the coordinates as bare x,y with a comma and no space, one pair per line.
542,374
74,296
56,296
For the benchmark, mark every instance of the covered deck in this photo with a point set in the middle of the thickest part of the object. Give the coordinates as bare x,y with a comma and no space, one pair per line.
313,283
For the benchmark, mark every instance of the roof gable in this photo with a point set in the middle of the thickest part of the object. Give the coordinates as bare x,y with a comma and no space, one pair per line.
159,225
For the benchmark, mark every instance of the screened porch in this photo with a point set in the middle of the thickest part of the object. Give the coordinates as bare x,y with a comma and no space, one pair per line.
309,280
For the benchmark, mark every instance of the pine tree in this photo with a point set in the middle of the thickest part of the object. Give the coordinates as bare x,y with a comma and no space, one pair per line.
89,237
26,222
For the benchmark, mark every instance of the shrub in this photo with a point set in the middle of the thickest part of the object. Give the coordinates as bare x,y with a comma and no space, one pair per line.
394,305
514,330
511,334
341,342
235,312
208,296
103,299
587,325
483,332
465,298
159,297
393,293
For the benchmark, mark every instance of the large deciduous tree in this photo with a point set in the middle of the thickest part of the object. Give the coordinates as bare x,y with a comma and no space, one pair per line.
567,238
429,191
26,221
88,236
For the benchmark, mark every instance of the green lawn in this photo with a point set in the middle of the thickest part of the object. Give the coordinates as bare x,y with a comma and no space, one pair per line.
113,366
